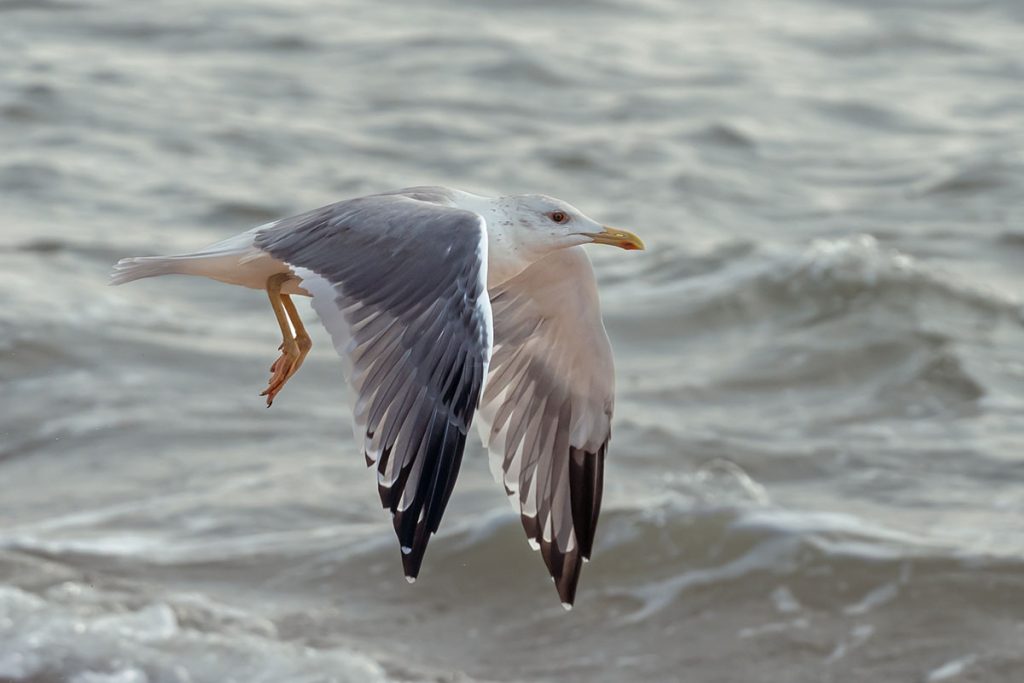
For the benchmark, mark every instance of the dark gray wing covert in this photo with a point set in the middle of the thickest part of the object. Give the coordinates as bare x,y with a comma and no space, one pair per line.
401,286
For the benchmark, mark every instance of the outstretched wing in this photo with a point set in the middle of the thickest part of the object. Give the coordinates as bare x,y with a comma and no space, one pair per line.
547,406
400,284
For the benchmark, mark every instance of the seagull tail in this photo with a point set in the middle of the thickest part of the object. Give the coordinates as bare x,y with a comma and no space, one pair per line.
129,269
236,261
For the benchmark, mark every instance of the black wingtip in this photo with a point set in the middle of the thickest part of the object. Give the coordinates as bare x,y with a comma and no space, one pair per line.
586,482
421,516
564,568
414,548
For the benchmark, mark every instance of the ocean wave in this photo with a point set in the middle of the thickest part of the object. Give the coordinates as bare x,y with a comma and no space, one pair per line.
749,569
74,633
830,270
975,175
860,264
705,526
896,335
842,563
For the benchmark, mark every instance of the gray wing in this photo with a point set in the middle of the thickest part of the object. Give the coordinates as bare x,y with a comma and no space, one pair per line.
546,410
400,284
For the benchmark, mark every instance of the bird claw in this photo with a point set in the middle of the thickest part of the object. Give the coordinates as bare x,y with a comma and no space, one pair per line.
286,365
280,372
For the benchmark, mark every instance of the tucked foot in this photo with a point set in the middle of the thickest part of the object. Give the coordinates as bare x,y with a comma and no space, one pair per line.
293,347
293,353
282,370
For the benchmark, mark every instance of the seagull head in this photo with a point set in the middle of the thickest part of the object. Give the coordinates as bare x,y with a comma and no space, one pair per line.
551,224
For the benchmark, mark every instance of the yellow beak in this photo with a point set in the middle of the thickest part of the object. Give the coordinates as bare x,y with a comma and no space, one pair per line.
623,239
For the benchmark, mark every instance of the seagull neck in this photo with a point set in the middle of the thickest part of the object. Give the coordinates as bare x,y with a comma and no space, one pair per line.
507,256
501,265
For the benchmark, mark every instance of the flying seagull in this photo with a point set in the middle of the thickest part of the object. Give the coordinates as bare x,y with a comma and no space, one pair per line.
443,303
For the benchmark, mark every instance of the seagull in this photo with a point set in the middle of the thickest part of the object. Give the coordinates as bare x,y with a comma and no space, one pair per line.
443,305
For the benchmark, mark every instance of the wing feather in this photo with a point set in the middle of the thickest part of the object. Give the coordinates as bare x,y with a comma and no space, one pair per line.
400,284
546,410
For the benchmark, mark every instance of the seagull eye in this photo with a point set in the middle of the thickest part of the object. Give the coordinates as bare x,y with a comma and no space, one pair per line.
559,216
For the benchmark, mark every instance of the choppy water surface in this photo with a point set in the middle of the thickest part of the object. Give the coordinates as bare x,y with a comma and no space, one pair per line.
818,453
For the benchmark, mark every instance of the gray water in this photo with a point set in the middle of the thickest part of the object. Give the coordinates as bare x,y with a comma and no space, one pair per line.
817,468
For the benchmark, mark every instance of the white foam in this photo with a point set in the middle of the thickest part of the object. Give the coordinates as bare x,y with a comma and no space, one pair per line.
874,598
858,636
111,642
952,668
152,623
784,600
122,676
773,627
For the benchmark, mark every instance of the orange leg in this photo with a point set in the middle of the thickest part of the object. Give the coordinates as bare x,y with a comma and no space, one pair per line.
294,347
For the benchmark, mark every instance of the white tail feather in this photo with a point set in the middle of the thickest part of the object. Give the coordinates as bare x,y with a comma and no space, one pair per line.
236,261
129,269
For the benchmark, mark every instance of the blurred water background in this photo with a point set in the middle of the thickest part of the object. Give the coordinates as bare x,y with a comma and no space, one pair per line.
817,467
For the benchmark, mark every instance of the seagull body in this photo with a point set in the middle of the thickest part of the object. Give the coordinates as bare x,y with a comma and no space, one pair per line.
444,305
